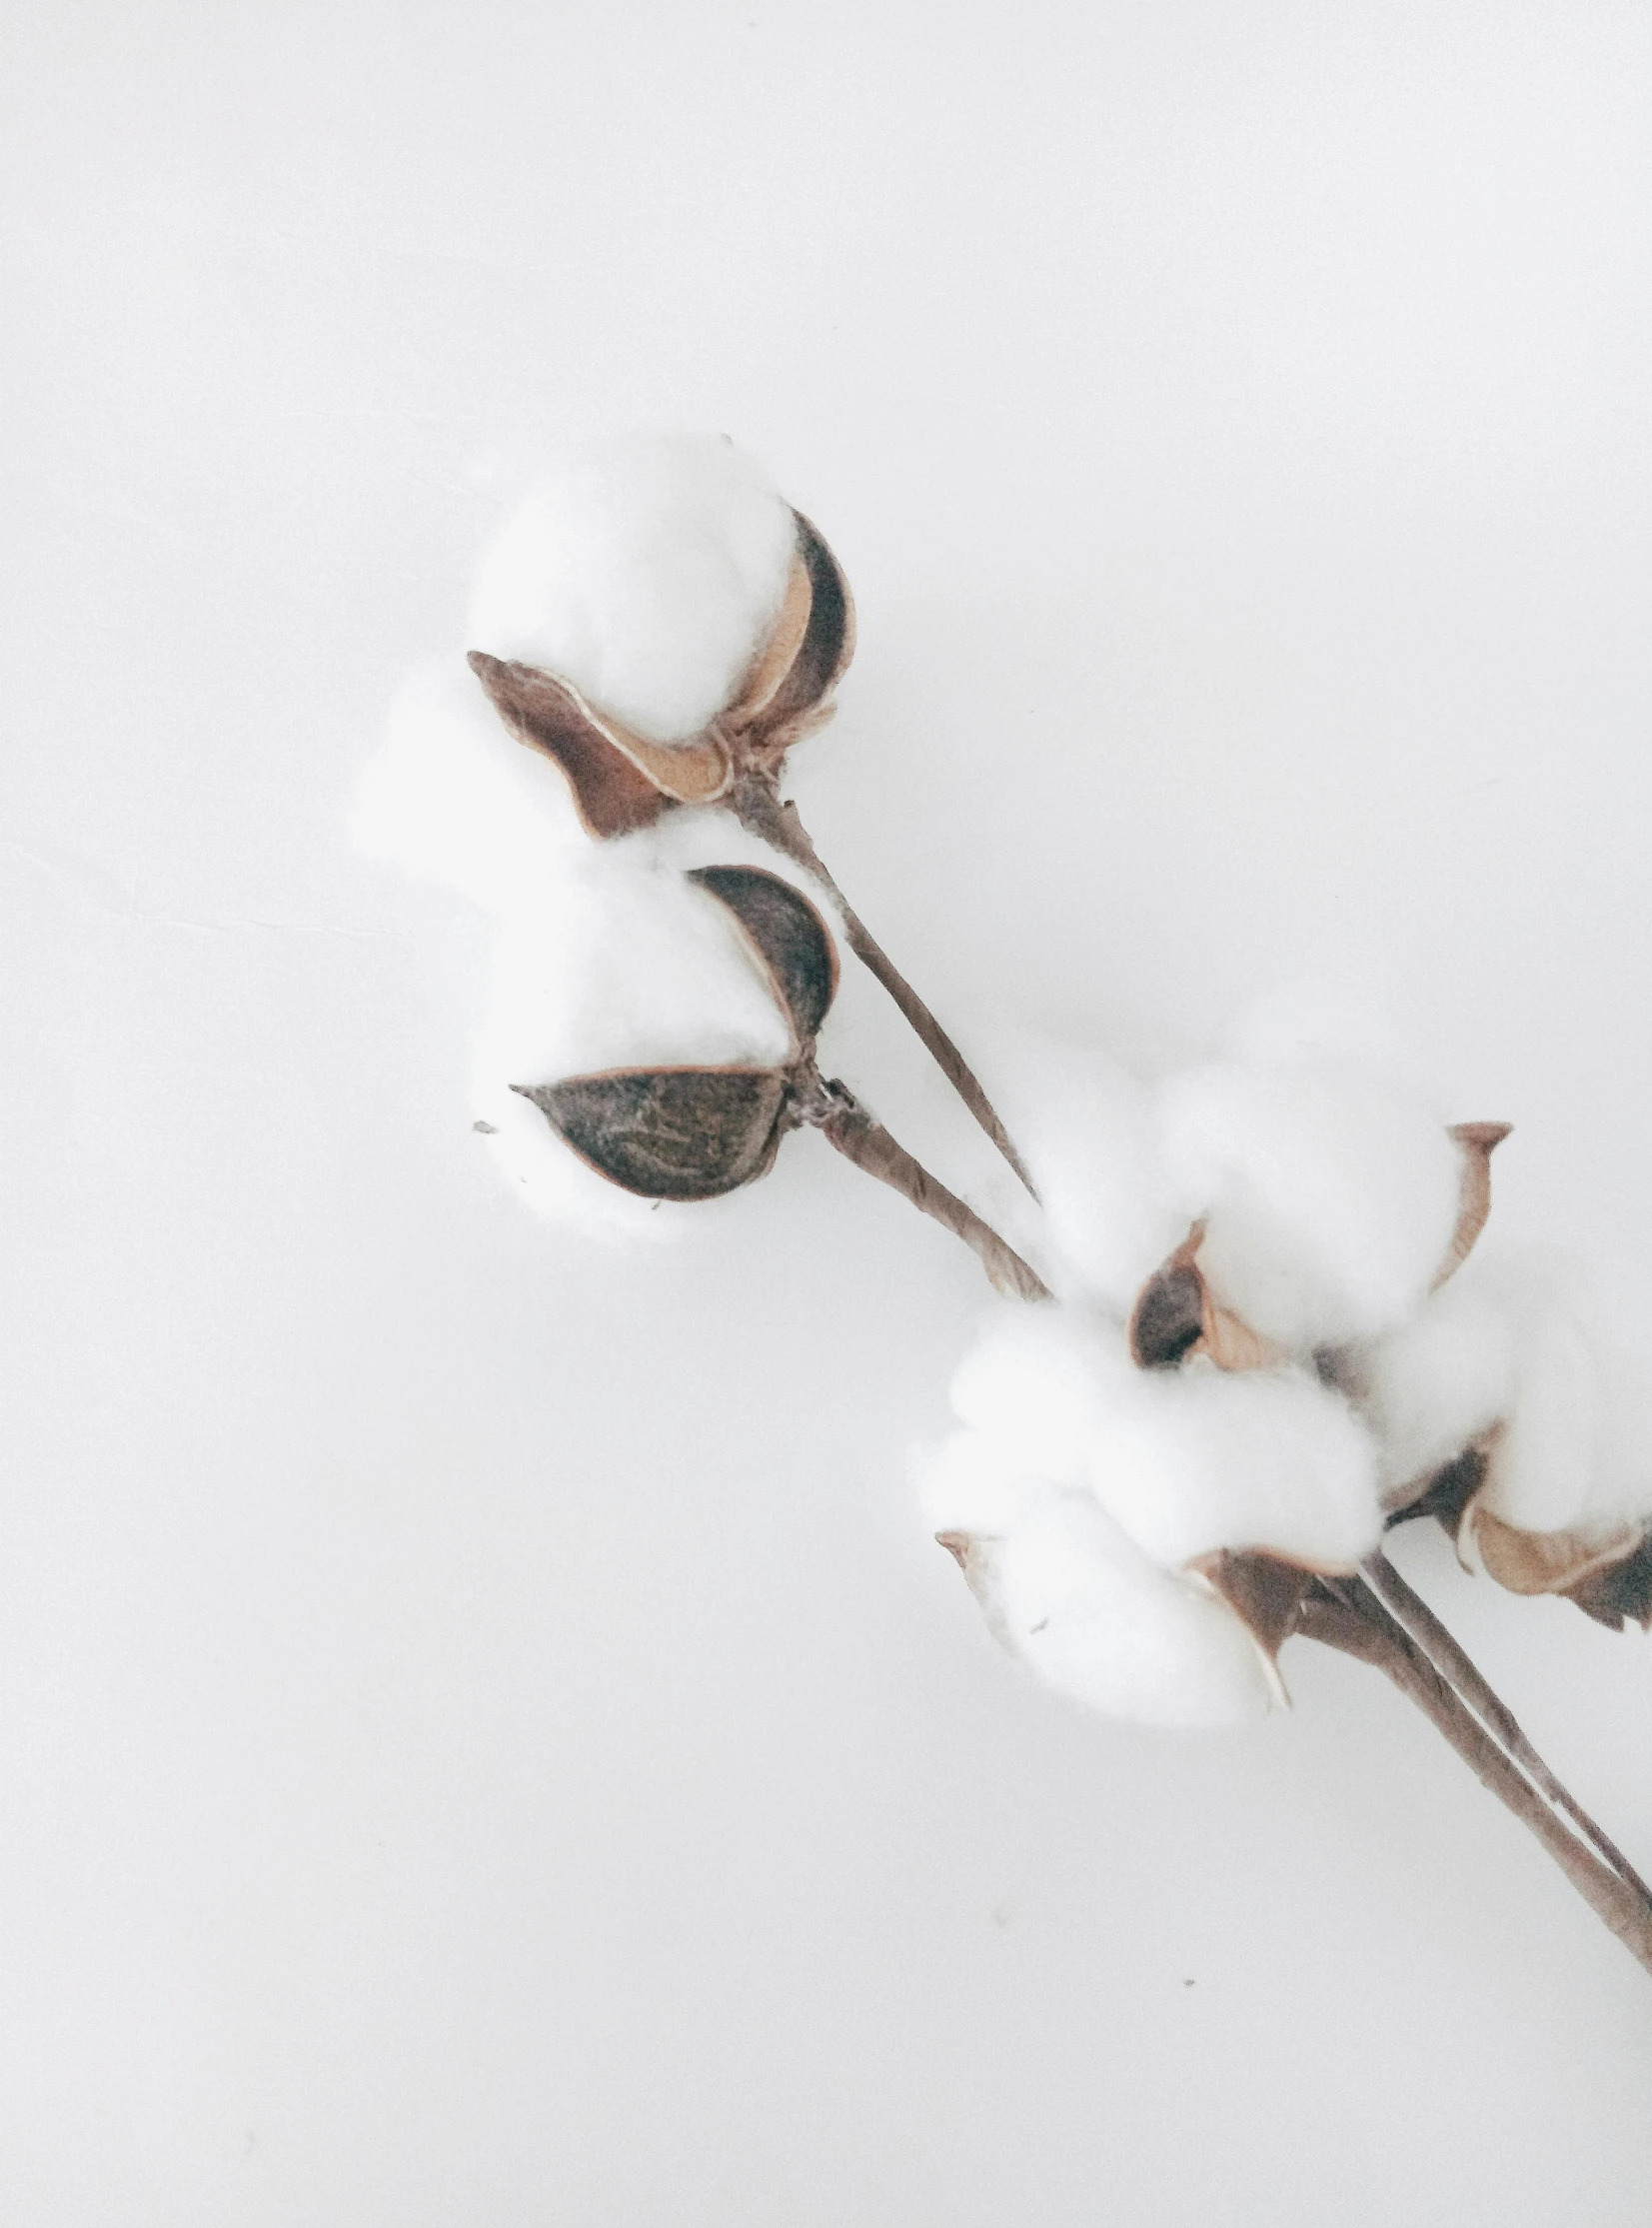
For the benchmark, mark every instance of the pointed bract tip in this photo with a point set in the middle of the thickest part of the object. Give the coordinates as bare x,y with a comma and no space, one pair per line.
482,665
1485,1136
956,1544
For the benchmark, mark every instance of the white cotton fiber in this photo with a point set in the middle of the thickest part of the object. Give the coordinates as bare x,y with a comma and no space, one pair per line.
1545,1458
1041,1381
1070,1595
1196,1458
1575,1450
646,572
1088,1133
634,967
605,955
1429,1388
454,796
1330,1192
972,1483
1188,1460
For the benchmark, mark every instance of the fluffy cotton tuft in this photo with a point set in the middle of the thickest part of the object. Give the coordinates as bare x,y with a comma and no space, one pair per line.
1330,1194
1039,1383
1186,1460
1575,1448
1069,1592
1088,1131
452,795
1194,1460
1429,1388
646,572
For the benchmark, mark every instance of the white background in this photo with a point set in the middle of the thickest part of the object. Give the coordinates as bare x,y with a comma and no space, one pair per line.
484,1735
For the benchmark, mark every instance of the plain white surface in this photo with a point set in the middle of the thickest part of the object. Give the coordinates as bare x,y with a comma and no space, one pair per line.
483,1733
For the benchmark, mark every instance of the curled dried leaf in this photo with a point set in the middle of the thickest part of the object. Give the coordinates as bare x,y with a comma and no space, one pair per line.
788,935
1477,1141
612,771
1176,1316
669,1132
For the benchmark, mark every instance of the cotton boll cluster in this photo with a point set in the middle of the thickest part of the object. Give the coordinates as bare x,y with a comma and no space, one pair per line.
603,957
1137,1476
648,572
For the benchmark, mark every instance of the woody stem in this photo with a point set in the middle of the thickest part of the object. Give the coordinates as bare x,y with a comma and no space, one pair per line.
1344,1613
1457,1668
832,1108
757,804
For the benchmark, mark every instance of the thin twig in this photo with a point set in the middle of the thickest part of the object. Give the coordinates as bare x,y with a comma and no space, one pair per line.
757,804
1344,1613
1457,1668
832,1107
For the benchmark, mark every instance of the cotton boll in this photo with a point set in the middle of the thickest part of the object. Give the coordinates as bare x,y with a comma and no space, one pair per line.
454,796
1329,1195
1429,1388
1040,1382
1198,1459
1087,1133
626,964
634,967
1077,1602
646,572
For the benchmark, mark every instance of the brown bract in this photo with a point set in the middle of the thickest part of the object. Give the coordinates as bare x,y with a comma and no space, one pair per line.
1266,1591
620,780
1176,1316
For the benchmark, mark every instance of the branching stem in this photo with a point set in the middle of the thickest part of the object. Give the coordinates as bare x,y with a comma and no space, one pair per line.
829,1106
757,804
